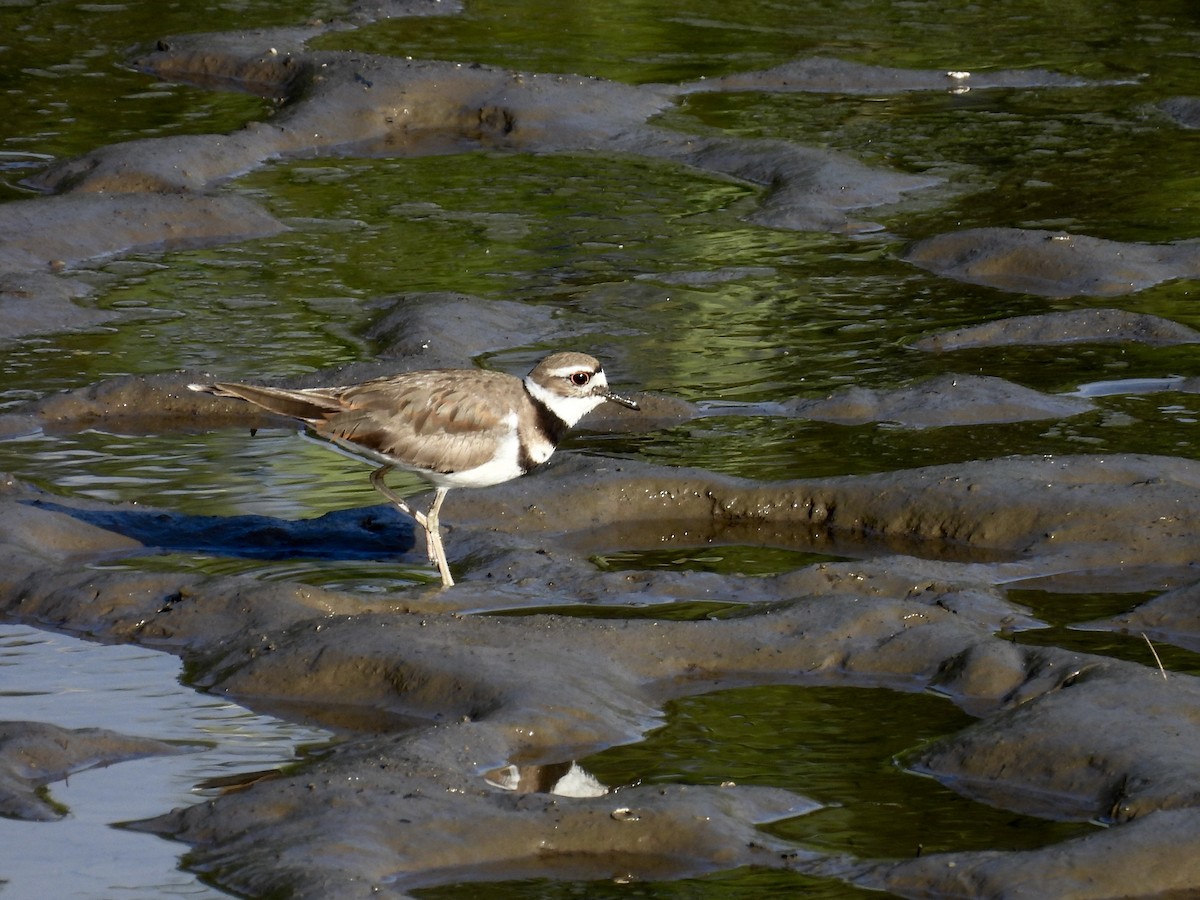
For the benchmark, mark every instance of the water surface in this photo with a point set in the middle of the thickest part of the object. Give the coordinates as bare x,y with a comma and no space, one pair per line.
604,239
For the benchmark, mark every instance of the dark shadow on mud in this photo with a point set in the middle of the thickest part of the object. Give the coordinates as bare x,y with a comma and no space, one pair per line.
375,533
380,533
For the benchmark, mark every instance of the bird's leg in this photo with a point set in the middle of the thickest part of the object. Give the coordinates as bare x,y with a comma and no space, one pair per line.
433,531
380,485
428,522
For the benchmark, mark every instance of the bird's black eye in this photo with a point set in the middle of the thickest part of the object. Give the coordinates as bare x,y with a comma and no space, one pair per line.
579,379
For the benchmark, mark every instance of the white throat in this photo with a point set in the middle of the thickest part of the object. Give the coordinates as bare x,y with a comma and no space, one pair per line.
569,409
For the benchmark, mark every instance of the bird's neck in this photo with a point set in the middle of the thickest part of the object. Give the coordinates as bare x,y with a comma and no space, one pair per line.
569,409
548,420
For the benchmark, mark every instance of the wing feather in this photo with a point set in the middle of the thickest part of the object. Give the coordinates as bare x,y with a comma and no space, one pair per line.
426,420
308,406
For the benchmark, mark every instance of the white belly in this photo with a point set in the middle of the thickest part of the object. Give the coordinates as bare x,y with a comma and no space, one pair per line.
503,466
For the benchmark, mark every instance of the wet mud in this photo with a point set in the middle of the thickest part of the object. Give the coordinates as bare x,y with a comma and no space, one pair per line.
1077,326
468,696
157,192
1183,111
457,727
34,754
1054,264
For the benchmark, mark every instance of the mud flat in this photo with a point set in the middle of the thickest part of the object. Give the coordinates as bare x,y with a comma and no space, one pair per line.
479,705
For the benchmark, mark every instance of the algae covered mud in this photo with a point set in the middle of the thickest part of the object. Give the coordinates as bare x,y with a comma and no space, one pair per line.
888,586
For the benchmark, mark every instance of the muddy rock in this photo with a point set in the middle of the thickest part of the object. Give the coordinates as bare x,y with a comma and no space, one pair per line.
1053,264
412,822
839,76
517,674
64,231
46,534
151,193
1059,514
1121,513
33,754
1066,513
1156,856
40,238
361,104
808,189
940,401
457,669
374,10
1183,111
446,329
470,695
1078,326
1173,618
1071,707
135,404
39,302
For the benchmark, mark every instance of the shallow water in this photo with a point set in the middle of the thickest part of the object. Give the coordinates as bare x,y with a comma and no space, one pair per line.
609,238
48,677
797,738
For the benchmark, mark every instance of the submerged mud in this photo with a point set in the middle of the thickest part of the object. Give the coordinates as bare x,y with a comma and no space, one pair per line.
1054,264
33,754
1094,326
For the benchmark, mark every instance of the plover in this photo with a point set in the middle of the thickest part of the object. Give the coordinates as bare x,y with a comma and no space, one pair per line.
453,427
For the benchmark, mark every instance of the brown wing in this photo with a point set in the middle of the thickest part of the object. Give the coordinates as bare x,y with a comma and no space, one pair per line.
431,420
307,405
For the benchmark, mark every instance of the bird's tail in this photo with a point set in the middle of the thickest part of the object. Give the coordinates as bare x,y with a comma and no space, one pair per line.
297,404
